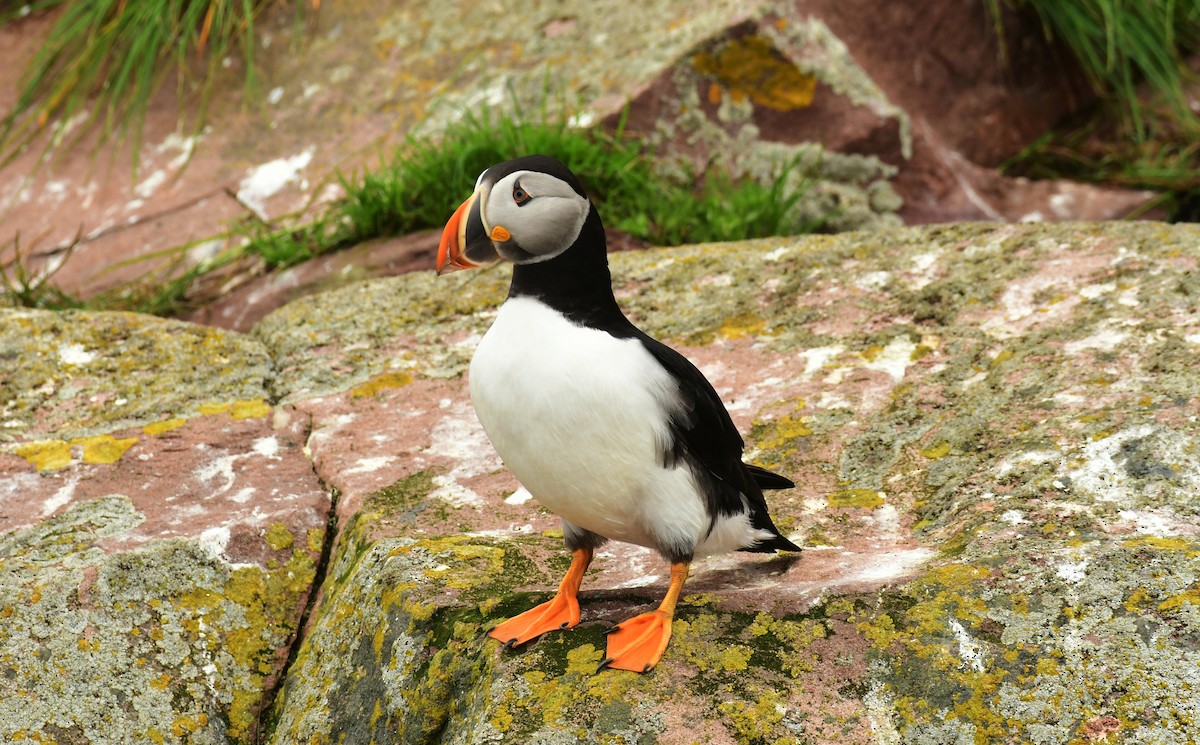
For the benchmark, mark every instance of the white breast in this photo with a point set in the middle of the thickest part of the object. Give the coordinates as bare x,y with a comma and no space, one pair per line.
581,418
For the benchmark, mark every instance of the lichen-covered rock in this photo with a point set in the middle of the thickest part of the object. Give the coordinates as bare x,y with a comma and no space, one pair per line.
158,540
77,373
994,435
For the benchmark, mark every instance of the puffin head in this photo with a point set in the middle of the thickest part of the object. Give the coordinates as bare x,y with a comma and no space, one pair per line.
525,211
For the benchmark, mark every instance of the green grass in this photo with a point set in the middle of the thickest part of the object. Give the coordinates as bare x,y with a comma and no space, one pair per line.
1143,134
104,59
428,178
1123,44
26,288
423,183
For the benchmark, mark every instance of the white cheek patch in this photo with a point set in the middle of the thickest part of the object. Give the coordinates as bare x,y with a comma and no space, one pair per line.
551,225
546,225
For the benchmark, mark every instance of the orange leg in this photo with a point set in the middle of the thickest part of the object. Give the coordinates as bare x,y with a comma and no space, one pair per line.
560,612
638,644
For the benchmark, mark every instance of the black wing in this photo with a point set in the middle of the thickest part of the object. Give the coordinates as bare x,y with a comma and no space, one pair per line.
705,437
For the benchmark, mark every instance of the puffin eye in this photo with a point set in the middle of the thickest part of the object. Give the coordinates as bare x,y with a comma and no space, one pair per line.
520,196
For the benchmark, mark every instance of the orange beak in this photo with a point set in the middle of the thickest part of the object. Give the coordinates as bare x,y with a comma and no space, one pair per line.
465,240
451,256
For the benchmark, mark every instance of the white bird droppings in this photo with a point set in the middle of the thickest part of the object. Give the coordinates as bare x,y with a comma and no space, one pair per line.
263,182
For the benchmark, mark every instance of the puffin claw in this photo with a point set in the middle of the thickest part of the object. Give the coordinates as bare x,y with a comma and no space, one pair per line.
604,663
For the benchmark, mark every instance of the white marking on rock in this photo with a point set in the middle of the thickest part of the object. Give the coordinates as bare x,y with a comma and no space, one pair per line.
1091,292
817,357
1014,518
895,357
61,497
459,438
370,465
777,253
263,182
215,541
243,495
267,447
520,496
889,565
969,650
1152,523
1105,340
1104,474
873,280
275,96
150,184
878,703
1072,571
75,354
219,467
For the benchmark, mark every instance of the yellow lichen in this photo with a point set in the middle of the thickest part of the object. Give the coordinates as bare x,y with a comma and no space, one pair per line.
1176,602
279,537
103,448
247,409
316,539
862,498
583,659
755,721
751,67
46,455
1190,548
381,383
741,326
166,425
937,450
254,409
1135,600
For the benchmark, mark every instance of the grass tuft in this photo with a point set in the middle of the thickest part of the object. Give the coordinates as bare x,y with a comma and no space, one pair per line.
426,179
104,59
23,287
1123,44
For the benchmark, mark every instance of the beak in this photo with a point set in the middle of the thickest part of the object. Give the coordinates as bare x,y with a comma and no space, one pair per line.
465,243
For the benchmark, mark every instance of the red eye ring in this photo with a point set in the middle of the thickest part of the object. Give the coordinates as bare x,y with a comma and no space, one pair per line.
520,196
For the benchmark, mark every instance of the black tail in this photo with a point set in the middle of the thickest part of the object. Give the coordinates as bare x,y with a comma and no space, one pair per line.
769,479
759,516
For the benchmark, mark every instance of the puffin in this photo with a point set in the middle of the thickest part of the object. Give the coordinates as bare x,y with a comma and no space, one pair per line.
613,431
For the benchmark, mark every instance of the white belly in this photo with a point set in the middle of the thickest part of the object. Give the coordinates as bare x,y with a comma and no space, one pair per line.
580,417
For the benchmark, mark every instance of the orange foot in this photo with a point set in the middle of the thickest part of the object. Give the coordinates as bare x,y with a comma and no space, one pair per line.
560,612
638,644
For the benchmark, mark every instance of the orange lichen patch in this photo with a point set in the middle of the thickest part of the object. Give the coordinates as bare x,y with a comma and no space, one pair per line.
381,383
752,68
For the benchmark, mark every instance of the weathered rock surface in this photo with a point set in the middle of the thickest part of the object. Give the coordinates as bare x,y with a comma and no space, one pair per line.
895,111
160,530
993,431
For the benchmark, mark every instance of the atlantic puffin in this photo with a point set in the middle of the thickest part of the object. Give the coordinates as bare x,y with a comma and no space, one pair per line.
614,432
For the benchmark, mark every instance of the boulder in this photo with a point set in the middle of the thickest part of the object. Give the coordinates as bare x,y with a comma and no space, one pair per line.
992,430
993,434
889,115
160,530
